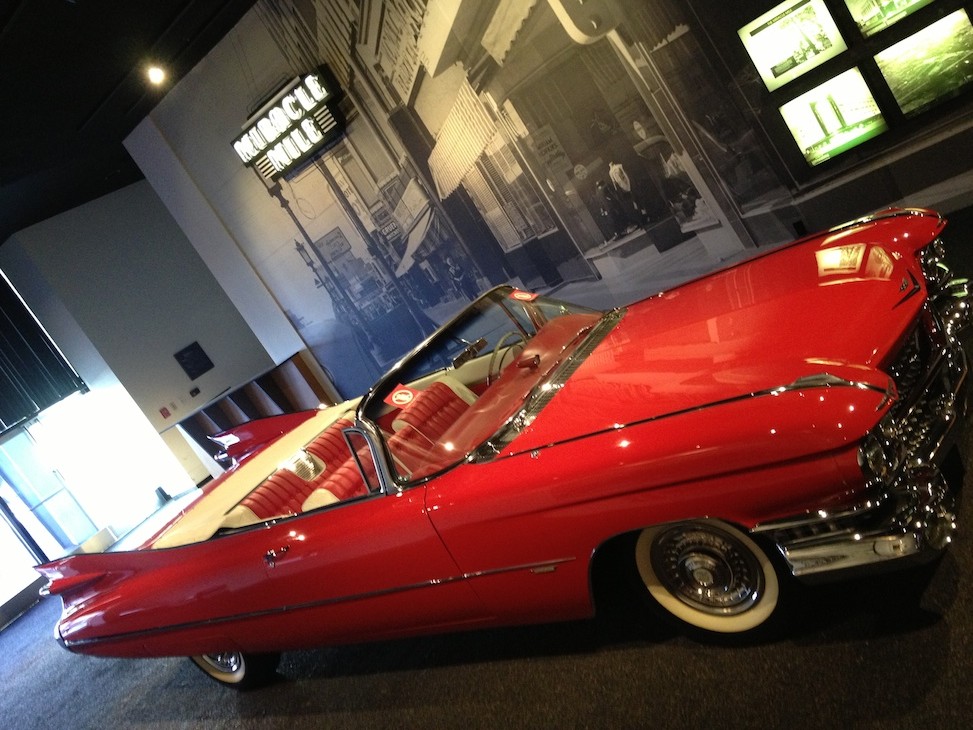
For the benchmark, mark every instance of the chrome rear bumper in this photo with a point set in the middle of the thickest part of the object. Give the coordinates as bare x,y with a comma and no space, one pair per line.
916,518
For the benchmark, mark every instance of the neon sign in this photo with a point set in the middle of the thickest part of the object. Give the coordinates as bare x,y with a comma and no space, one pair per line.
299,121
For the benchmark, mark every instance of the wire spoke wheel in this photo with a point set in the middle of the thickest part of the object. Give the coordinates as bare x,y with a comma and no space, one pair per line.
708,574
237,669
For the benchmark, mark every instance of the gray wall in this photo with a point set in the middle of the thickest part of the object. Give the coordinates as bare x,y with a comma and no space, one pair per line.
139,292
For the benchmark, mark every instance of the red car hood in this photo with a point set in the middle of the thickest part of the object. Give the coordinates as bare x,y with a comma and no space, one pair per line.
836,304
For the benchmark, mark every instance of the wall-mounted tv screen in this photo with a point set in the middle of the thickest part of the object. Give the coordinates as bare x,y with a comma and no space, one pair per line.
832,118
871,16
930,66
790,40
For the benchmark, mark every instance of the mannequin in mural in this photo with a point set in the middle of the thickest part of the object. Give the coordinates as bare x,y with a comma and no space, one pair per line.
634,211
681,194
611,209
462,278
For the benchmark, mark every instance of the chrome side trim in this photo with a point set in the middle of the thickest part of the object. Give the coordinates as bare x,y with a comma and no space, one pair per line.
540,568
827,380
821,380
887,214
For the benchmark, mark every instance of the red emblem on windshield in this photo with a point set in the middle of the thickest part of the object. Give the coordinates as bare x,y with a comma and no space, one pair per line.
522,296
400,397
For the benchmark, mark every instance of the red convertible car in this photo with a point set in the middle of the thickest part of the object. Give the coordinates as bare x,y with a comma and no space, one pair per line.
788,416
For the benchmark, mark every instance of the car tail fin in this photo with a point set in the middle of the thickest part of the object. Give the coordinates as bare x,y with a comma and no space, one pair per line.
58,586
69,575
245,440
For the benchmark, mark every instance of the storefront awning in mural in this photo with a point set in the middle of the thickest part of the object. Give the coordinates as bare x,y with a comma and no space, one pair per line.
506,23
461,140
416,236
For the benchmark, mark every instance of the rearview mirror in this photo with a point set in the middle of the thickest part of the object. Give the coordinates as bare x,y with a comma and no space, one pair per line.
471,350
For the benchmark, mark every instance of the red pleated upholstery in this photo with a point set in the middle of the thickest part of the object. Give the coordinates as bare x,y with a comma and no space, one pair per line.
282,493
433,411
330,446
420,426
346,481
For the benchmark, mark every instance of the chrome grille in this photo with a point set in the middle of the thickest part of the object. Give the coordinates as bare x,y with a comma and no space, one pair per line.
922,377
916,425
922,370
909,368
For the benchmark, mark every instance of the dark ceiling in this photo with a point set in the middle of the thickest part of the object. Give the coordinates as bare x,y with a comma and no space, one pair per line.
72,87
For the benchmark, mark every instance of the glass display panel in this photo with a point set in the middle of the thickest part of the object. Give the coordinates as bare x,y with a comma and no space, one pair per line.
930,66
833,117
790,40
872,16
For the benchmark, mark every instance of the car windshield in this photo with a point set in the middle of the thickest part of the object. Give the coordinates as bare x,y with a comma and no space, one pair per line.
463,384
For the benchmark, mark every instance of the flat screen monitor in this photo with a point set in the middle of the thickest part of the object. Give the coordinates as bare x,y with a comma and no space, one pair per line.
930,66
832,118
873,16
791,39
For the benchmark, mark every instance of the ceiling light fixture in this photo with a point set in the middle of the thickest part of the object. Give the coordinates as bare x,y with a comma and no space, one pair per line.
156,75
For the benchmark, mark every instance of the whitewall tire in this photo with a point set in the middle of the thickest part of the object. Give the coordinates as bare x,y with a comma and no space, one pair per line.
709,575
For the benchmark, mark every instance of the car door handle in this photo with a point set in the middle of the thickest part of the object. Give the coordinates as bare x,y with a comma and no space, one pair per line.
270,557
529,362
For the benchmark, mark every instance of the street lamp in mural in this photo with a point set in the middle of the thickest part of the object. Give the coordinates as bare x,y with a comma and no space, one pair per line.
392,326
388,318
344,309
309,262
291,131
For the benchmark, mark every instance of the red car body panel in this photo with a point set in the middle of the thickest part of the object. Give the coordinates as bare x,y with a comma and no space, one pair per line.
223,593
704,401
733,333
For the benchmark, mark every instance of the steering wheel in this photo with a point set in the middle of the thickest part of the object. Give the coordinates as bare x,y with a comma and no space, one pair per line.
511,335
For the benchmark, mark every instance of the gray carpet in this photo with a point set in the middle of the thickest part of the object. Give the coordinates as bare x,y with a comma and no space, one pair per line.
895,652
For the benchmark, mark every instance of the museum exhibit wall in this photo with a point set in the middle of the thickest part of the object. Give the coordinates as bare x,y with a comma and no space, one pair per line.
365,248
490,142
184,149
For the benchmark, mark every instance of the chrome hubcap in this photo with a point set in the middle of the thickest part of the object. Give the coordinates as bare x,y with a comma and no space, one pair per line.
708,569
228,662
